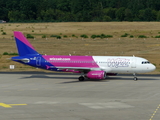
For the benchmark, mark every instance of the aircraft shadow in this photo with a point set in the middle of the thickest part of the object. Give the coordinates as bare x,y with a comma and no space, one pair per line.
40,73
88,80
75,79
108,79
131,78
47,77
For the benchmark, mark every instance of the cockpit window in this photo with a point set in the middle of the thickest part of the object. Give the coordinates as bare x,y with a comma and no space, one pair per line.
145,62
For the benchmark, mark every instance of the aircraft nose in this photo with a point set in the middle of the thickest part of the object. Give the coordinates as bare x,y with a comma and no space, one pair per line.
153,67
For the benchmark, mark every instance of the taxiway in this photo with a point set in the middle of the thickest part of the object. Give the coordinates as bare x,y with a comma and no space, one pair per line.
57,96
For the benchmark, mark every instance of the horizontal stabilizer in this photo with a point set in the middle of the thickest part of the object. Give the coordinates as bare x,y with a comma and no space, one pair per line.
25,60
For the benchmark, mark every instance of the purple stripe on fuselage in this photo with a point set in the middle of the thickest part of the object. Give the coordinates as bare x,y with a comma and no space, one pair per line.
71,61
22,38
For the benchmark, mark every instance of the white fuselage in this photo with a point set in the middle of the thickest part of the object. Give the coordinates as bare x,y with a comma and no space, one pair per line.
117,64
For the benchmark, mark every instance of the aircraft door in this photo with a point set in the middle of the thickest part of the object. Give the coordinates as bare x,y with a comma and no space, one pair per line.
38,61
133,64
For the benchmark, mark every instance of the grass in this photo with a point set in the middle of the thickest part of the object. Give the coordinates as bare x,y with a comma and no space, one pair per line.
112,28
116,46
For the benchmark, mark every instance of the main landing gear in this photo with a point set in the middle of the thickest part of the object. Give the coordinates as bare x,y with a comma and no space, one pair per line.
135,77
81,78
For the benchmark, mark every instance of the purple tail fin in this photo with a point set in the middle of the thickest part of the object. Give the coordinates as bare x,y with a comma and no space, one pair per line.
23,45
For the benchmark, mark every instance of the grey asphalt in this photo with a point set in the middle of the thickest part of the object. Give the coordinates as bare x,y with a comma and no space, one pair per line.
57,96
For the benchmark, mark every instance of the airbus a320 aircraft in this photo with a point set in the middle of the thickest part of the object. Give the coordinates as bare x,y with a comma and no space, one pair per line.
90,67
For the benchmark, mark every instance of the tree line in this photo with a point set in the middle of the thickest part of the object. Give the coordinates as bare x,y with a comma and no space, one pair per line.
79,10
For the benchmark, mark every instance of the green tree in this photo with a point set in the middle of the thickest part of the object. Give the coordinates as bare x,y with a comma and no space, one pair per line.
136,5
29,8
120,14
110,12
141,15
106,19
69,17
64,5
14,15
3,13
158,16
154,15
148,16
48,15
79,10
128,15
97,12
60,15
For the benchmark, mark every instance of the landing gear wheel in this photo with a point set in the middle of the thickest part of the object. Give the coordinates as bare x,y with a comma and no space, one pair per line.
135,78
81,78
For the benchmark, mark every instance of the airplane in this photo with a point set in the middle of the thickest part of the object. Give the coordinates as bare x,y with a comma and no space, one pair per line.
90,67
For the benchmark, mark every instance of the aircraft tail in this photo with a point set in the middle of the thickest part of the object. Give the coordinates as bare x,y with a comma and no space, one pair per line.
23,45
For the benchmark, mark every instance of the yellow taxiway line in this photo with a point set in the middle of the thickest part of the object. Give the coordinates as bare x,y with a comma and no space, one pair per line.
10,105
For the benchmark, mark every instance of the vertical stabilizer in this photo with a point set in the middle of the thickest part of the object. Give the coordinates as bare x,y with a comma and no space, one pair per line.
23,45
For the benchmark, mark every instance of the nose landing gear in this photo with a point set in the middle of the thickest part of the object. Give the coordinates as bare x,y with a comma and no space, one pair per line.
135,77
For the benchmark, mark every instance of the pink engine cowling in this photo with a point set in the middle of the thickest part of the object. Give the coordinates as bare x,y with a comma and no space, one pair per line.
96,75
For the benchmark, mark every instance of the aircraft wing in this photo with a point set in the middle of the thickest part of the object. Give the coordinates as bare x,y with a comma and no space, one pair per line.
78,68
81,69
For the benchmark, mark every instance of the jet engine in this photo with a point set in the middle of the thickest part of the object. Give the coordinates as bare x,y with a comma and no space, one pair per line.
96,75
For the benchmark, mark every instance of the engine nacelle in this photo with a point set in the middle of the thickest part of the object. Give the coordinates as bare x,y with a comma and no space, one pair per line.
96,75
